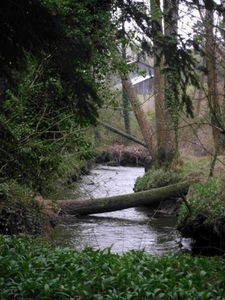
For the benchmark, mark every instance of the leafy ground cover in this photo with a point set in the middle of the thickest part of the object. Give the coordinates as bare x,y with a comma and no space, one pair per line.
33,269
207,198
204,219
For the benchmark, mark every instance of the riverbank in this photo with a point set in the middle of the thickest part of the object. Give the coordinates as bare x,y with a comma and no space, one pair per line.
121,155
204,221
115,181
201,214
24,210
34,269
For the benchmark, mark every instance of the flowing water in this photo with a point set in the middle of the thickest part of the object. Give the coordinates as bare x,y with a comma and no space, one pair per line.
126,229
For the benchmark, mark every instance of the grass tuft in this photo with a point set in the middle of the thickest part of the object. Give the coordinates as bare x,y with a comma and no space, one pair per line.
156,178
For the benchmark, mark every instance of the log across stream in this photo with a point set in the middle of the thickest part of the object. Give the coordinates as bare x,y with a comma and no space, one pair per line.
151,198
121,230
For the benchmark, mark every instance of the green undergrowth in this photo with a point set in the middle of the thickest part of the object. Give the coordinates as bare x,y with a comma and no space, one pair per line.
19,212
156,178
192,167
33,269
63,184
193,164
72,166
207,198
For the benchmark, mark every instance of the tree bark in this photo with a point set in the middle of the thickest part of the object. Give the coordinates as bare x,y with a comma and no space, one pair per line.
164,127
125,102
146,198
126,113
171,75
213,102
139,114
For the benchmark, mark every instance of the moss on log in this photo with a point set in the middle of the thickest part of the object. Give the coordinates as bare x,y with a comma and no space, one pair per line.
145,198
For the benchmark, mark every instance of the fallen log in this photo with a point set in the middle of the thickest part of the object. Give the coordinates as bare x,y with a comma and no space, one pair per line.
145,198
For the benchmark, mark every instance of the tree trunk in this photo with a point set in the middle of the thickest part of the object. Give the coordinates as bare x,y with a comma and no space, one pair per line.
212,79
126,112
171,81
147,198
139,114
200,96
125,102
164,127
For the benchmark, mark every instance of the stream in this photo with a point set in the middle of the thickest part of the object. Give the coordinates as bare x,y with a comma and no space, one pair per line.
129,229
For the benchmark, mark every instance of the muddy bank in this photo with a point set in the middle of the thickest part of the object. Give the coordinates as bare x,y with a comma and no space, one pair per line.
208,236
120,155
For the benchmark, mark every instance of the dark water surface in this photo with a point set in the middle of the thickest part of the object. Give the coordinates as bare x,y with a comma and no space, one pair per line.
126,229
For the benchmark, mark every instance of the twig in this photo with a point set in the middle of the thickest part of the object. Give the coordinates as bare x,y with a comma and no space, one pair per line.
187,205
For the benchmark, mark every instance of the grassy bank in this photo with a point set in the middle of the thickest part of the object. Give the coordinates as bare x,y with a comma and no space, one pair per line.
191,167
202,217
33,269
204,220
207,198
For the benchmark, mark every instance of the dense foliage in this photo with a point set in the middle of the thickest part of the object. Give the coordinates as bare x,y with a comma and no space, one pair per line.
37,270
52,72
49,93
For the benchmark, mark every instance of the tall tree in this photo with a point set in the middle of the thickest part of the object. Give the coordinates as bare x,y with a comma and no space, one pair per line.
140,114
125,99
170,13
164,127
213,102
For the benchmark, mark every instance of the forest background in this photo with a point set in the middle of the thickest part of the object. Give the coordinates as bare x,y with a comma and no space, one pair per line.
56,61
